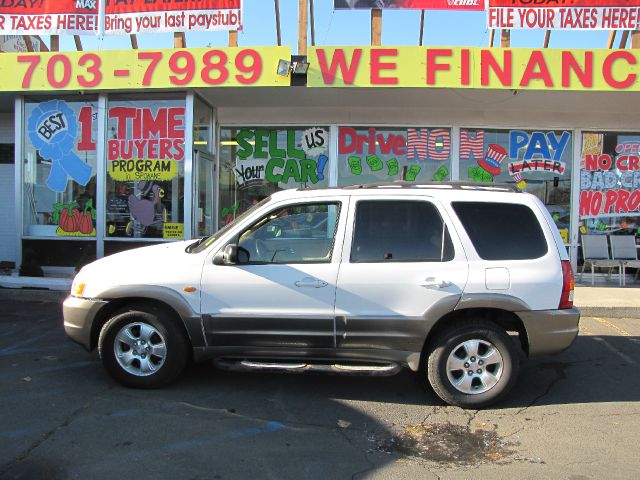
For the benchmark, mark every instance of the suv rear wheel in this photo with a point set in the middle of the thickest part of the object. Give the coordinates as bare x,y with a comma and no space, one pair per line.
142,347
473,364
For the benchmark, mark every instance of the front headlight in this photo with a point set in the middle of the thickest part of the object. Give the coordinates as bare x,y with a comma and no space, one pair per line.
78,286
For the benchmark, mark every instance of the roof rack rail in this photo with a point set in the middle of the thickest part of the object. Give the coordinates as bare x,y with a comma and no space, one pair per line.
457,185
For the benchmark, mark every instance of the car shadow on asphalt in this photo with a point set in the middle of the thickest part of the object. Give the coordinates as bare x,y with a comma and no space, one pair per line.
594,369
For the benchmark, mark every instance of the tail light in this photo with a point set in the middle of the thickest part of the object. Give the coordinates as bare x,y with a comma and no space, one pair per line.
568,283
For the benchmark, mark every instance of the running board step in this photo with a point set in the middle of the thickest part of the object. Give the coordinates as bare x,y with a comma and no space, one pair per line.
383,369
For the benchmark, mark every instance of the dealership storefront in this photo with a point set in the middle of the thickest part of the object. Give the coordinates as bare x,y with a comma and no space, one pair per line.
177,153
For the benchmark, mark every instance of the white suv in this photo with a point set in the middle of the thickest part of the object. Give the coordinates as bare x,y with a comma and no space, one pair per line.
450,280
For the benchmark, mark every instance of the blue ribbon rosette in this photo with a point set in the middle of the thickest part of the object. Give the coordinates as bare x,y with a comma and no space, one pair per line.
52,129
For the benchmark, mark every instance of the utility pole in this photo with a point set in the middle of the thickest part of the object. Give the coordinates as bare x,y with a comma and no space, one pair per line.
376,27
505,38
233,38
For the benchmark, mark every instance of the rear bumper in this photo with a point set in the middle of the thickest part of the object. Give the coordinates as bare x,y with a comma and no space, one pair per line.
550,331
79,314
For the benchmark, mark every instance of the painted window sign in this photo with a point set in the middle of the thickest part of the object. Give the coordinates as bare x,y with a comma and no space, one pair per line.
540,151
525,152
257,161
52,128
145,166
148,152
536,161
610,182
380,154
281,156
60,168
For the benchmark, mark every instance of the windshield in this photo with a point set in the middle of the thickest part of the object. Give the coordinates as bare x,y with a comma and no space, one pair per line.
205,242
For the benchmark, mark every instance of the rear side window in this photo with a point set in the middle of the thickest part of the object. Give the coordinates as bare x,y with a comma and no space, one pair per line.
399,231
502,231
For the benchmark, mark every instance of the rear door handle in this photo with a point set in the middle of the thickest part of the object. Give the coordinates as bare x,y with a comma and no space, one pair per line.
310,282
434,282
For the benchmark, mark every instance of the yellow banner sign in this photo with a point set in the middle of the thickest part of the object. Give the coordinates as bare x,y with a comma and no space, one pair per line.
134,170
143,69
470,67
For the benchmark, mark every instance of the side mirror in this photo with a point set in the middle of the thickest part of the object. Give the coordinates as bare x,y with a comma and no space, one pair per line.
227,256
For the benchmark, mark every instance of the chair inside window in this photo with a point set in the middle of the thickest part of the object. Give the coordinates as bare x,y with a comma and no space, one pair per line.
595,250
623,249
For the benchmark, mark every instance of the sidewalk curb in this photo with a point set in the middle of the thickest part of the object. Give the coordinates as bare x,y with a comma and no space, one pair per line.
32,295
610,312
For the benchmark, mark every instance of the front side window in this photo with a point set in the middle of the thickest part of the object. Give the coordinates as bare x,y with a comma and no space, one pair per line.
293,234
399,231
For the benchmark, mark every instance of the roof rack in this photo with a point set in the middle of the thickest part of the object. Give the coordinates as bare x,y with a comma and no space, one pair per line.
460,185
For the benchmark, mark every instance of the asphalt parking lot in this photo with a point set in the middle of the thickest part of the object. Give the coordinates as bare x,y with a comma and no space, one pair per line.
573,416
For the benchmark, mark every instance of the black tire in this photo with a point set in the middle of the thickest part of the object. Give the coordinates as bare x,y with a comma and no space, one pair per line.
477,390
146,370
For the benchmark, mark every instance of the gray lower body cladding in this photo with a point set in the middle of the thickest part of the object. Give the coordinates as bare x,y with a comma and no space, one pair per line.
550,331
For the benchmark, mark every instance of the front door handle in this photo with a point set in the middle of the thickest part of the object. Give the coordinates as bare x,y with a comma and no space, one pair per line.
310,282
434,282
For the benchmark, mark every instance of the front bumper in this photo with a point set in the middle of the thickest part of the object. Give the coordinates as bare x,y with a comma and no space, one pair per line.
550,331
79,314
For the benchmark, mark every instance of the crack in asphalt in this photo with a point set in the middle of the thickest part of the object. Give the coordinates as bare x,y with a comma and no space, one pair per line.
471,417
560,372
512,434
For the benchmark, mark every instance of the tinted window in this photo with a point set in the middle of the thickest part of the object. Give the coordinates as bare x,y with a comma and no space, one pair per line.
502,231
294,234
399,231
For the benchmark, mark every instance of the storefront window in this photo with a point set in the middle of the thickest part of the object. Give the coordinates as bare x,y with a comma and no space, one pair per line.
59,167
202,126
205,188
610,183
538,162
367,155
145,169
257,161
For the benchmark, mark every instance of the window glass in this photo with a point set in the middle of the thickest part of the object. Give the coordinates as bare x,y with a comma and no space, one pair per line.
371,154
294,234
538,162
502,231
60,167
399,231
257,161
610,184
145,169
202,121
7,153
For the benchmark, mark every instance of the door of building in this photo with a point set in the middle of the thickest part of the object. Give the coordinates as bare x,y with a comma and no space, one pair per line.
205,219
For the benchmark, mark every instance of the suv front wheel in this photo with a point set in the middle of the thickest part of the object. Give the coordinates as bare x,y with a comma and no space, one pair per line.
472,364
142,347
